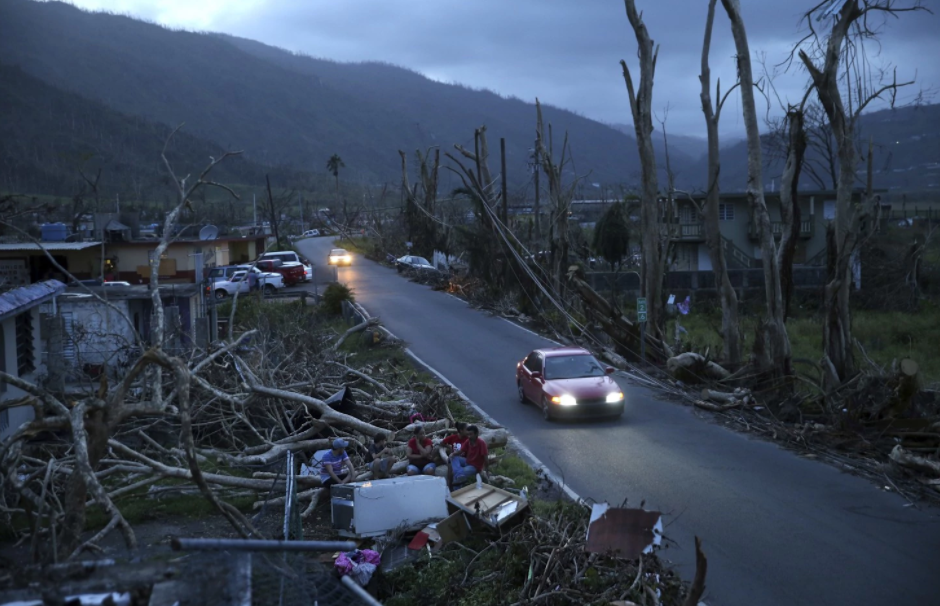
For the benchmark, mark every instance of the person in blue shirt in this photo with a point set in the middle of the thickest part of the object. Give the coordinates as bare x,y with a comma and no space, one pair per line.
336,467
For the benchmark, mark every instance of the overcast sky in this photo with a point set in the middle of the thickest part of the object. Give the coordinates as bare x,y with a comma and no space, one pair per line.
565,52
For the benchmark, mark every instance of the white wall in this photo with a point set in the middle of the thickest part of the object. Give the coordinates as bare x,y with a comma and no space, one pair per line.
99,334
21,414
704,259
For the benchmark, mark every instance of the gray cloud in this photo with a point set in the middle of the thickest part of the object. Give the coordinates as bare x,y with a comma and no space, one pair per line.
562,51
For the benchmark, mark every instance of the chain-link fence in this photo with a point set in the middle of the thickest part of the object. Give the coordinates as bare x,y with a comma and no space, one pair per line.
297,579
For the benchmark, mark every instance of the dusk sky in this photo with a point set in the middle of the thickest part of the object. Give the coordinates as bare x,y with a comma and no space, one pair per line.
565,52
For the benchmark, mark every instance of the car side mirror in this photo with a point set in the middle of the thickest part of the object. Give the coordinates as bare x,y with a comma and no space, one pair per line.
609,370
536,375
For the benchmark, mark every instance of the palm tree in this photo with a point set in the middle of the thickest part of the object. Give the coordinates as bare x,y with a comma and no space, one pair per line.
333,165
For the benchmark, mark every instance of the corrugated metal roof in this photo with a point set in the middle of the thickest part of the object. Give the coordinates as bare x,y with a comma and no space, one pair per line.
22,298
17,246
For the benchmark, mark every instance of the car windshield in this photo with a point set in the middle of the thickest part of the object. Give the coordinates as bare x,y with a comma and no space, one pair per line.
337,252
572,367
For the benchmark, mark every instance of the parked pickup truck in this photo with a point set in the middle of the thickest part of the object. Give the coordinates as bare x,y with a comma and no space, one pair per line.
289,256
293,273
225,281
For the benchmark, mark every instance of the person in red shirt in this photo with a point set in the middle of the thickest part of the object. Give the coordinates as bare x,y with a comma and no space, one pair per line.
420,454
453,444
473,459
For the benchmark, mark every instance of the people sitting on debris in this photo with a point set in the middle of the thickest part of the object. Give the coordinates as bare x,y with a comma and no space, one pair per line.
454,442
333,463
472,459
420,453
380,457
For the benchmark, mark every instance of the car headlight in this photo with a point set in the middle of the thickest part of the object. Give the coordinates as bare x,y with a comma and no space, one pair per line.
565,400
613,398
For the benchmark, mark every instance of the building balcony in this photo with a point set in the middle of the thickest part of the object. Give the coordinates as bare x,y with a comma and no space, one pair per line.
806,230
689,232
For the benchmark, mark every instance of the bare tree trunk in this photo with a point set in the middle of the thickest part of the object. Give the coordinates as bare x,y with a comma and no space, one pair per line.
776,356
730,323
789,203
560,199
652,269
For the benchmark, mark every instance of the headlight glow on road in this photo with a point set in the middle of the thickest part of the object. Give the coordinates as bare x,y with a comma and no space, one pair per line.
613,398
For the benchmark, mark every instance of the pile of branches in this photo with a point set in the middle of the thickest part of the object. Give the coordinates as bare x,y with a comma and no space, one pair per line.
542,560
238,409
217,421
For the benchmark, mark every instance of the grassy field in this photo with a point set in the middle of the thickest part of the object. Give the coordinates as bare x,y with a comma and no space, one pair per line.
884,335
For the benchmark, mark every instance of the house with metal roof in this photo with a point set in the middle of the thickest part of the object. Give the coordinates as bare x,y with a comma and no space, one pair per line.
21,349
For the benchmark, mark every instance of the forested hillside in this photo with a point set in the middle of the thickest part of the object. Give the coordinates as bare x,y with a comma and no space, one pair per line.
49,137
906,154
284,109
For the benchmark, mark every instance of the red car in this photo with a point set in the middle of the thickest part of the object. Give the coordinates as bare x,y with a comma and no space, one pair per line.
567,382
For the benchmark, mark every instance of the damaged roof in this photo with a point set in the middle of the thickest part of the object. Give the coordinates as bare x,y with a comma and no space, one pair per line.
18,300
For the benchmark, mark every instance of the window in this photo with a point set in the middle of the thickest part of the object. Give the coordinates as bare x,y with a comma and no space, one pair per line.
726,212
533,362
25,360
572,367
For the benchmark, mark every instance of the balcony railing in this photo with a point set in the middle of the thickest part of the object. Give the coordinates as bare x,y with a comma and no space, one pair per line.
806,229
689,232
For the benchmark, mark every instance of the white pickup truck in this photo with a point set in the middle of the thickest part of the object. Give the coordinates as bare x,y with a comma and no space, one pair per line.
289,256
238,282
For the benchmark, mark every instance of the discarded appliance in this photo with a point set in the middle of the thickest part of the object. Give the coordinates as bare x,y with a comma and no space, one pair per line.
625,533
370,509
491,505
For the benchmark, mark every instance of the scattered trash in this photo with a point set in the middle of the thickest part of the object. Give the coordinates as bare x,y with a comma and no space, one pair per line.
491,505
627,533
372,508
453,528
359,564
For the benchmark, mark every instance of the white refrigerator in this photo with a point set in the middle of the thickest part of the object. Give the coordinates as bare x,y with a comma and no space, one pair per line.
372,508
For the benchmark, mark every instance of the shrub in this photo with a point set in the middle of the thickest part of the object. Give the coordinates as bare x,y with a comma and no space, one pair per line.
333,298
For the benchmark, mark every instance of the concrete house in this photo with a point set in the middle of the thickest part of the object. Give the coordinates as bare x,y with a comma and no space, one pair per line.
101,338
21,345
742,238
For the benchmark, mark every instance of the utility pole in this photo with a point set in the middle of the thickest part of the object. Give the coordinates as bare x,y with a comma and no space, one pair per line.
538,212
502,153
273,217
254,208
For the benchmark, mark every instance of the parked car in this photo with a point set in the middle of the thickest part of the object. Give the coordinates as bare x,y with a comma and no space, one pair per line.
290,256
293,273
269,281
413,262
228,286
222,277
311,233
568,382
339,256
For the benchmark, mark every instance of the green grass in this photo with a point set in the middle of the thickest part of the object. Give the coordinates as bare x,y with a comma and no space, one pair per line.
884,335
514,467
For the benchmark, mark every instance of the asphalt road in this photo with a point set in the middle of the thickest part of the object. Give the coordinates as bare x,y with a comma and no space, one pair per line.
778,529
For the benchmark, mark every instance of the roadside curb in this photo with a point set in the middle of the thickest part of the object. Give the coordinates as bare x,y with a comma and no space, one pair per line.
515,442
